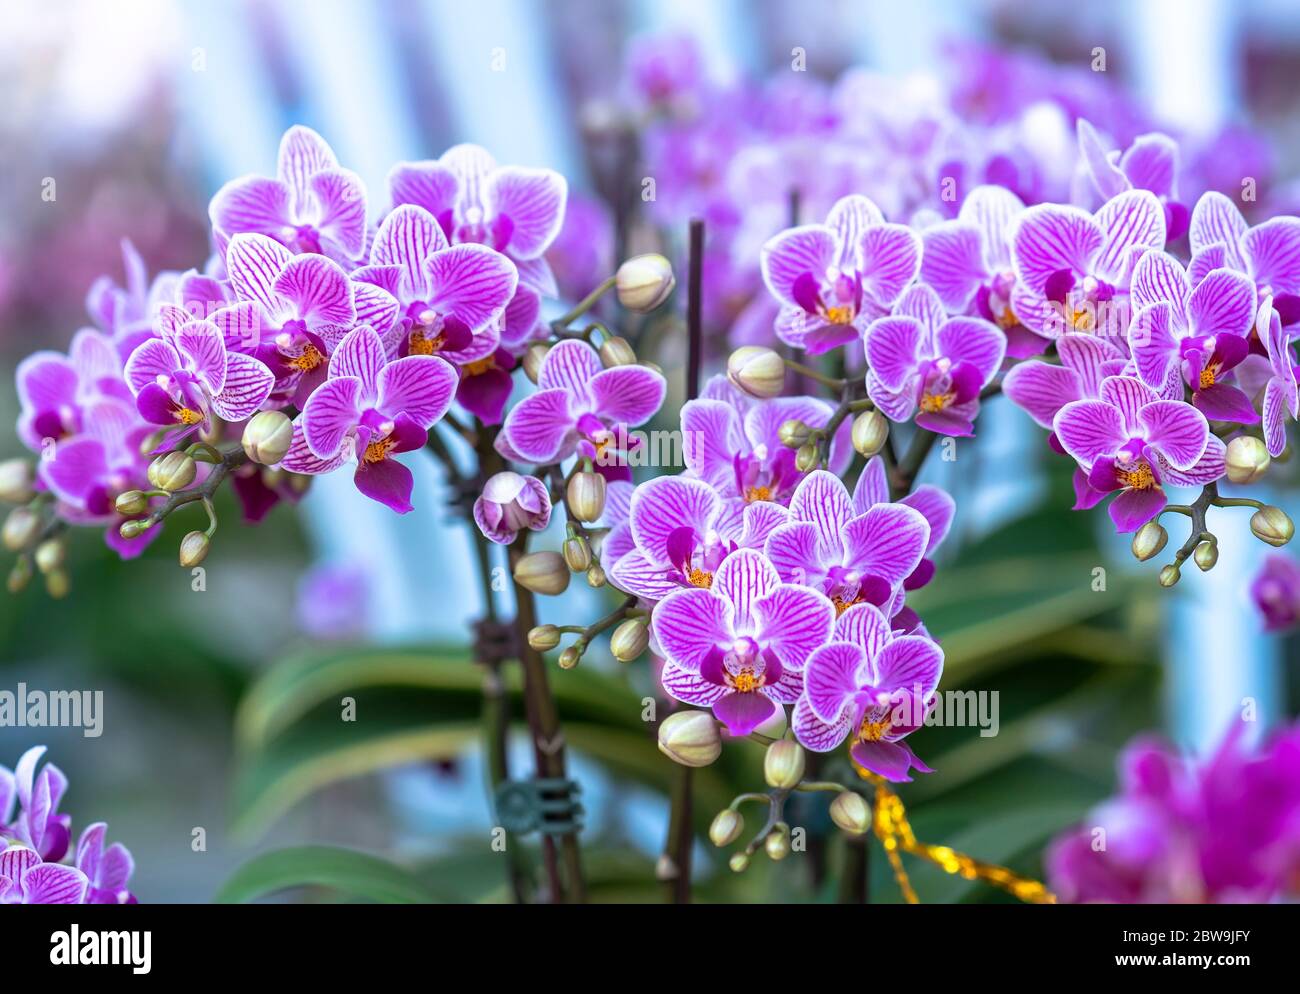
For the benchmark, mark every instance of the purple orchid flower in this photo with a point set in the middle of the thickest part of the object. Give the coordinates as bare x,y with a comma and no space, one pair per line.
510,503
851,556
924,362
1073,268
1221,830
1269,252
26,879
1197,335
1275,592
833,279
740,645
107,871
517,211
872,684
967,262
186,377
680,538
732,442
333,601
1041,389
38,824
1282,386
292,310
1132,441
54,389
451,297
1151,162
312,205
582,407
371,409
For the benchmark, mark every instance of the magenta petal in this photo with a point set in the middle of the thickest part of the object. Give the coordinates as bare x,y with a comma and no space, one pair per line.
792,549
627,394
849,219
1158,277
539,427
1223,303
1129,396
485,394
910,663
1216,220
569,365
711,437
427,184
974,341
744,578
533,200
1175,430
406,239
386,481
318,289
332,411
153,358
52,883
1151,163
419,386
341,209
360,355
1088,429
1154,347
689,624
1132,220
794,253
742,713
248,384
637,574
891,760
303,153
815,734
889,258
1134,508
666,504
822,500
1224,402
251,204
1086,496
831,678
1050,238
893,349
690,688
1272,251
1041,389
888,542
953,263
203,347
792,621
473,282
253,262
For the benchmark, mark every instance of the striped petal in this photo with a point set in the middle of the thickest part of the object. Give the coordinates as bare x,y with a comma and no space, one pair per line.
815,734
248,384
539,427
794,253
887,541
419,386
889,258
822,500
1176,430
533,200
1217,221
1134,220
742,580
832,677
792,621
666,503
318,289
406,239
473,282
690,624
1053,237
253,263
1089,429
332,411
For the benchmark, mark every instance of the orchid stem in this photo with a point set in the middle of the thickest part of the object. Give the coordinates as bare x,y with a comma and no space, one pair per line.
587,303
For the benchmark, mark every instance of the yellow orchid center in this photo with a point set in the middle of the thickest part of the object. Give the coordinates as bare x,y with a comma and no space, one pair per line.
1139,477
932,403
1207,377
1006,318
307,360
700,578
480,366
421,344
745,681
842,605
189,416
1082,320
378,451
873,731
753,494
839,315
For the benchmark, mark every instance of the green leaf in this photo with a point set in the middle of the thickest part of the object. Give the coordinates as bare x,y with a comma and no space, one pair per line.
354,874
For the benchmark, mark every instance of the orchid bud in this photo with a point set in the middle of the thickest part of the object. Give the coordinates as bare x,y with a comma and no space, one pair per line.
644,282
20,529
577,554
1206,555
616,351
775,725
794,433
1149,540
806,459
533,359
870,432
1247,459
543,638
851,813
267,437
726,827
131,502
1170,575
596,576
543,573
173,471
194,549
690,738
50,555
130,529
666,868
1272,525
777,843
739,863
150,442
783,765
758,371
569,657
16,481
586,495
629,640
511,502
19,576
57,584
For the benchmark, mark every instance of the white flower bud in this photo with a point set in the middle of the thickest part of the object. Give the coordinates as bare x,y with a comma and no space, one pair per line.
616,351
20,529
1149,540
726,827
267,437
758,371
16,481
644,282
1248,459
533,359
851,812
690,738
629,640
783,765
870,431
586,495
543,573
194,549
543,638
1272,525
172,471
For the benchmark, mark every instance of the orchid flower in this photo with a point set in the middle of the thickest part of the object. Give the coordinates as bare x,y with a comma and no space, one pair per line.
1269,252
511,502
26,879
739,645
675,524
924,362
852,556
371,409
54,390
873,685
1130,440
291,310
312,205
187,376
1282,388
1194,335
1275,592
1073,268
580,407
832,279
38,824
1151,162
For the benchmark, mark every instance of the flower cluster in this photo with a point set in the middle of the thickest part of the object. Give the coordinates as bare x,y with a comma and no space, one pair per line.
1225,829
35,839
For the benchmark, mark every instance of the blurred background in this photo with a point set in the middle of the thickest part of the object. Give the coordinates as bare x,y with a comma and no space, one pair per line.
139,110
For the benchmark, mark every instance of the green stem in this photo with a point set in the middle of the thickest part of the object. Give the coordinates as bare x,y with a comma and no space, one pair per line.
587,303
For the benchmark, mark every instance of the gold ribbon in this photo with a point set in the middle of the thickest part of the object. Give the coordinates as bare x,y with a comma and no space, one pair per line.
895,833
